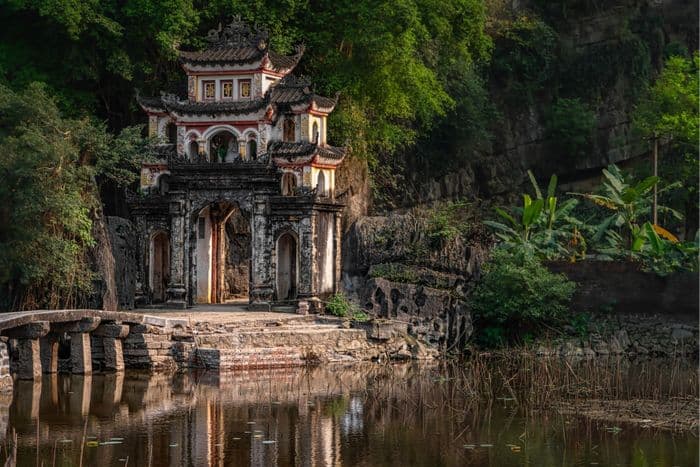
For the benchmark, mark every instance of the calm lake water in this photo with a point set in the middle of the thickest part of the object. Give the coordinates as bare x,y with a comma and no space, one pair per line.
370,415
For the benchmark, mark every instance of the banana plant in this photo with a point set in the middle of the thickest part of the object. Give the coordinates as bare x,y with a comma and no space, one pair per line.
540,225
627,202
520,223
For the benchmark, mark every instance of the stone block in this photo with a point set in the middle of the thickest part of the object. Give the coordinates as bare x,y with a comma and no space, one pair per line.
82,326
33,330
111,330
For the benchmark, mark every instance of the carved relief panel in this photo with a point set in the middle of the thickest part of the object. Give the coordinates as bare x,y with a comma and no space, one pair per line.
192,88
181,140
152,125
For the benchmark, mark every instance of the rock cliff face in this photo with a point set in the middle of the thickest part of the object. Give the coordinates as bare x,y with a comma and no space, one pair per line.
393,272
520,140
122,237
352,183
104,295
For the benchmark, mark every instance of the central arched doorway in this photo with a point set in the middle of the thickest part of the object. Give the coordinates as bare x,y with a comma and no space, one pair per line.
222,147
160,266
287,267
223,254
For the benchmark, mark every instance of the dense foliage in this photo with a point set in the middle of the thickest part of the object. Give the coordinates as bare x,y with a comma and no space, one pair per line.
618,228
48,166
396,63
516,295
668,112
543,227
425,85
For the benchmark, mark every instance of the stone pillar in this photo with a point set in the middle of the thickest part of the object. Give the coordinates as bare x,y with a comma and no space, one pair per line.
308,269
80,345
48,346
180,147
6,382
177,294
111,335
337,251
28,361
80,353
220,260
142,253
262,264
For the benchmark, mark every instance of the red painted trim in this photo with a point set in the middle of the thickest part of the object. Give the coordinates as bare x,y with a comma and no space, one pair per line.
196,125
323,166
197,73
317,113
266,71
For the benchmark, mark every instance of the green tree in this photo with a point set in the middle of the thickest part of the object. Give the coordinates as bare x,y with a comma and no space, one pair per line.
668,116
49,197
669,109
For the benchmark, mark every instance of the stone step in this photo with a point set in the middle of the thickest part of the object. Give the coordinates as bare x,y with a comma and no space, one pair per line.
250,358
284,309
318,334
263,323
287,348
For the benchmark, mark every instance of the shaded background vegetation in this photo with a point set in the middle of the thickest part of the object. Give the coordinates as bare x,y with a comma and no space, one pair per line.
427,87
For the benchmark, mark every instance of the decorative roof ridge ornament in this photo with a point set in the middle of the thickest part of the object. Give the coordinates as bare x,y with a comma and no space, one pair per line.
294,81
238,34
170,98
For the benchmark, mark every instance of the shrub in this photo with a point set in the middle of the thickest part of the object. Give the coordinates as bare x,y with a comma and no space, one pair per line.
445,223
518,294
360,316
340,306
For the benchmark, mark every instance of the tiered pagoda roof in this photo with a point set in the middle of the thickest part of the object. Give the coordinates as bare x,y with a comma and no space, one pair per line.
239,44
291,91
286,154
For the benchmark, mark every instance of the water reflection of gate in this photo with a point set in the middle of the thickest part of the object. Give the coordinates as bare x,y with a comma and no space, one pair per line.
191,419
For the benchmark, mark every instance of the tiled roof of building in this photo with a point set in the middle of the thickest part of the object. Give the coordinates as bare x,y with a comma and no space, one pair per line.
325,102
222,107
222,55
292,151
153,103
287,92
285,61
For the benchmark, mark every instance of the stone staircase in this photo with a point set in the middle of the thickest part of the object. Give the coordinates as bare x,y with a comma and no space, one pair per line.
297,342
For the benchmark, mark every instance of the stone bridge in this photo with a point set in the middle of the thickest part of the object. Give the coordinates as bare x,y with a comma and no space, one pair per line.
30,340
33,343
